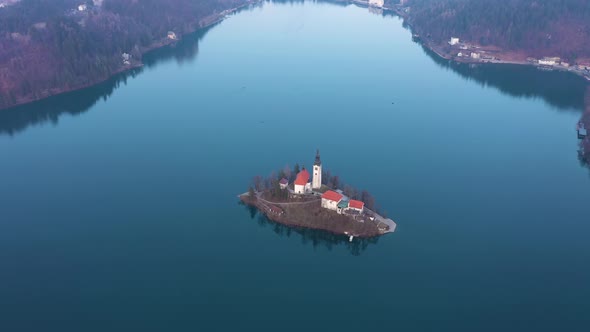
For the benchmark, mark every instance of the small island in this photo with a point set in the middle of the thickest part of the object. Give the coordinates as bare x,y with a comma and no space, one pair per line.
296,198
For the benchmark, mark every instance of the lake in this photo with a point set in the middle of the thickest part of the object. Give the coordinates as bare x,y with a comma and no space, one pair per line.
119,209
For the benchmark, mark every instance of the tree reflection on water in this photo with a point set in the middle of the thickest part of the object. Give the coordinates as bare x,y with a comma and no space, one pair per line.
313,237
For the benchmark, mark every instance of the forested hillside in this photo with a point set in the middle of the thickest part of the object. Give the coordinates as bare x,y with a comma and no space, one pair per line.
51,46
540,27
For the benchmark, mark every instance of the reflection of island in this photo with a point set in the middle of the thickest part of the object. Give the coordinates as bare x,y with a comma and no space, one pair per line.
312,237
19,118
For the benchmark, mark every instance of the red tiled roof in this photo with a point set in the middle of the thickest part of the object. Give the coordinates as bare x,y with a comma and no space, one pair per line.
332,195
302,178
355,204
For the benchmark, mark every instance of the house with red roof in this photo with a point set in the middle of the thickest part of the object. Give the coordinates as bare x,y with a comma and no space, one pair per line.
302,184
356,205
330,200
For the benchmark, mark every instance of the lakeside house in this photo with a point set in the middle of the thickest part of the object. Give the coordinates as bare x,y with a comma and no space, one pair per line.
355,205
377,3
475,55
330,200
172,35
454,41
549,61
126,59
336,201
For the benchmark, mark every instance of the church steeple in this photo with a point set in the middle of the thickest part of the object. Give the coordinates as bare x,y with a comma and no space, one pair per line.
317,172
317,162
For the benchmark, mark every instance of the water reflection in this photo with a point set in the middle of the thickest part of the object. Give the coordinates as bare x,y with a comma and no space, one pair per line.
563,90
19,118
315,238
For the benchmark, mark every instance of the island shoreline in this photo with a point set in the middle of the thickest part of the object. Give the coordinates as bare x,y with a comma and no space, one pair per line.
284,221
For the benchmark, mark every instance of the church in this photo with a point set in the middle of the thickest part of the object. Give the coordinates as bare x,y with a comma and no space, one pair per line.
302,183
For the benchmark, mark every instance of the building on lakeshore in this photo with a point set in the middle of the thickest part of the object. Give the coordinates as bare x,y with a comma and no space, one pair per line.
283,183
330,200
377,3
550,61
356,205
317,172
454,41
342,205
172,35
302,184
475,55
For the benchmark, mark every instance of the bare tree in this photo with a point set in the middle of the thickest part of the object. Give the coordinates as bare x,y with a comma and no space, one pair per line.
257,181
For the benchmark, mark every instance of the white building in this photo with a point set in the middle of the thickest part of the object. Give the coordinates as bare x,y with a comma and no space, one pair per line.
475,55
356,205
454,41
317,172
377,3
283,183
172,35
302,184
549,61
82,7
330,200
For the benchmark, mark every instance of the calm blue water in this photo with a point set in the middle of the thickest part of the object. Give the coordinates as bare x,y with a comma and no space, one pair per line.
118,207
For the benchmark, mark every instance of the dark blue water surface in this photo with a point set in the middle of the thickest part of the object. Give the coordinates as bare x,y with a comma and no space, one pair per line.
118,208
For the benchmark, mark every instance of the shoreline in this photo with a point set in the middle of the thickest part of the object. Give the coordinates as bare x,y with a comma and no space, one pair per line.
281,219
202,24
437,49
211,20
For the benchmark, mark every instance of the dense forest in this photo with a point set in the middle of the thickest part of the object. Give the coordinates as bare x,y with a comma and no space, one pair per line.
51,46
538,27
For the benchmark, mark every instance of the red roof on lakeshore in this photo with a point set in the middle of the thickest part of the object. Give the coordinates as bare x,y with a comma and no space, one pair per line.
356,204
332,196
302,178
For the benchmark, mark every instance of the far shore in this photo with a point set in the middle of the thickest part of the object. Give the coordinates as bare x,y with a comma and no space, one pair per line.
501,56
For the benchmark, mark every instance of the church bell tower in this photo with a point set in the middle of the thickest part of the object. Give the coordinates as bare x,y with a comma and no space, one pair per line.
317,172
